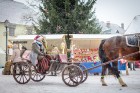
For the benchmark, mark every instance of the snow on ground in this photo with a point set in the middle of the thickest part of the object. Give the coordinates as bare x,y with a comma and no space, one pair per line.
54,84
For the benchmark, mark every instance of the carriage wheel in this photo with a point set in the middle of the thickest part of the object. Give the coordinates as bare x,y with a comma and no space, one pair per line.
35,75
72,75
21,72
85,73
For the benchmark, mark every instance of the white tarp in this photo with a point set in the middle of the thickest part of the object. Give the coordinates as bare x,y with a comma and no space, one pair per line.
93,36
31,37
2,57
89,40
134,27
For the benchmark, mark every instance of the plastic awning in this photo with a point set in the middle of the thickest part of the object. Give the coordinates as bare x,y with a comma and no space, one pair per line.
134,27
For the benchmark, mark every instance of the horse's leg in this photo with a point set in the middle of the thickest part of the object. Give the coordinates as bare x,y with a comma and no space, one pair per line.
103,75
117,73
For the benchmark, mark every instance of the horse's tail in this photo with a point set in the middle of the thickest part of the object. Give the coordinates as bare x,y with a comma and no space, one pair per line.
102,54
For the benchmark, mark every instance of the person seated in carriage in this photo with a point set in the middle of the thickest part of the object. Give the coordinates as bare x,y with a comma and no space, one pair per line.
16,54
38,53
55,53
23,49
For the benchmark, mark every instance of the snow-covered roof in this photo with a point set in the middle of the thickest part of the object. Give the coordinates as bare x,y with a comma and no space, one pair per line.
31,37
93,36
112,29
134,26
15,12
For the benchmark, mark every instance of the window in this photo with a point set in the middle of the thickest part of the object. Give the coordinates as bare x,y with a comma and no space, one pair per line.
12,30
29,30
117,31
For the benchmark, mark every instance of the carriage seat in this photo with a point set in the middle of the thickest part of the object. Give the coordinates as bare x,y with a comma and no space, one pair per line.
63,58
26,56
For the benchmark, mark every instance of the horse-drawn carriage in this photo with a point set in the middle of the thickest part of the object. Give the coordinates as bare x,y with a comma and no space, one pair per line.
72,74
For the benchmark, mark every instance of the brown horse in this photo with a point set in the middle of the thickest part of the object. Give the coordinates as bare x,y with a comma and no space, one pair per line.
113,48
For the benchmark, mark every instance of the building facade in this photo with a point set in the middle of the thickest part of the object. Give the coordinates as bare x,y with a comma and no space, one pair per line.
19,17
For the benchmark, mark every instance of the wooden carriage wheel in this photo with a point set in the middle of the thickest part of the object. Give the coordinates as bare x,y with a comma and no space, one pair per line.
85,73
72,75
21,72
35,75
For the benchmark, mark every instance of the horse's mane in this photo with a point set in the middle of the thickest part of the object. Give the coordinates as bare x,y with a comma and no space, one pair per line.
102,55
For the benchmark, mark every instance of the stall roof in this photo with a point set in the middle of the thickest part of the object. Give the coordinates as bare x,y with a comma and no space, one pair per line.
93,36
31,37
86,41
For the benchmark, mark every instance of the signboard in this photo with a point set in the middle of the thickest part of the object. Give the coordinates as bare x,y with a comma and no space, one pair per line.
17,42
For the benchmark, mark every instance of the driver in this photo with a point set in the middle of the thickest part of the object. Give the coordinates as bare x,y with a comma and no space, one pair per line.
37,52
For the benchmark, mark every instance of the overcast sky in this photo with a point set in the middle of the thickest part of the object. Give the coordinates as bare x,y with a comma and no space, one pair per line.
115,11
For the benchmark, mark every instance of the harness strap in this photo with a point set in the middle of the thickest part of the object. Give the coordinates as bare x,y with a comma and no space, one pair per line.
138,35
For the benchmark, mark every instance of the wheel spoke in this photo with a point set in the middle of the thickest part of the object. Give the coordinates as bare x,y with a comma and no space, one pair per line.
25,77
67,78
20,77
17,76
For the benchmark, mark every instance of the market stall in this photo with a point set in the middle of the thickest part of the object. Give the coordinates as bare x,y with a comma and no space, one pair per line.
85,46
53,40
84,49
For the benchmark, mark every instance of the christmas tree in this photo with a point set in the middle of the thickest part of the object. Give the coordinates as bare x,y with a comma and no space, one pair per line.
67,17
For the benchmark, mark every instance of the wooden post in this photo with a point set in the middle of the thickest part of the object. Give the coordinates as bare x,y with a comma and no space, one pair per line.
127,73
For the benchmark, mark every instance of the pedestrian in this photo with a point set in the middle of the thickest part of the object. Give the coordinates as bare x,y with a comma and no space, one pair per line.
55,57
132,66
10,51
16,54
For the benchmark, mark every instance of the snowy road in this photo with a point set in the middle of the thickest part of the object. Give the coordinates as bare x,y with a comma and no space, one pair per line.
54,84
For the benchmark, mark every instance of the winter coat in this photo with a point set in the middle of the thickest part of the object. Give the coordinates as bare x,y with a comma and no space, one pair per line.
16,56
37,51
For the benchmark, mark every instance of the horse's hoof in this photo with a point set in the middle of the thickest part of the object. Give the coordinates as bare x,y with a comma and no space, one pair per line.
104,84
124,85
